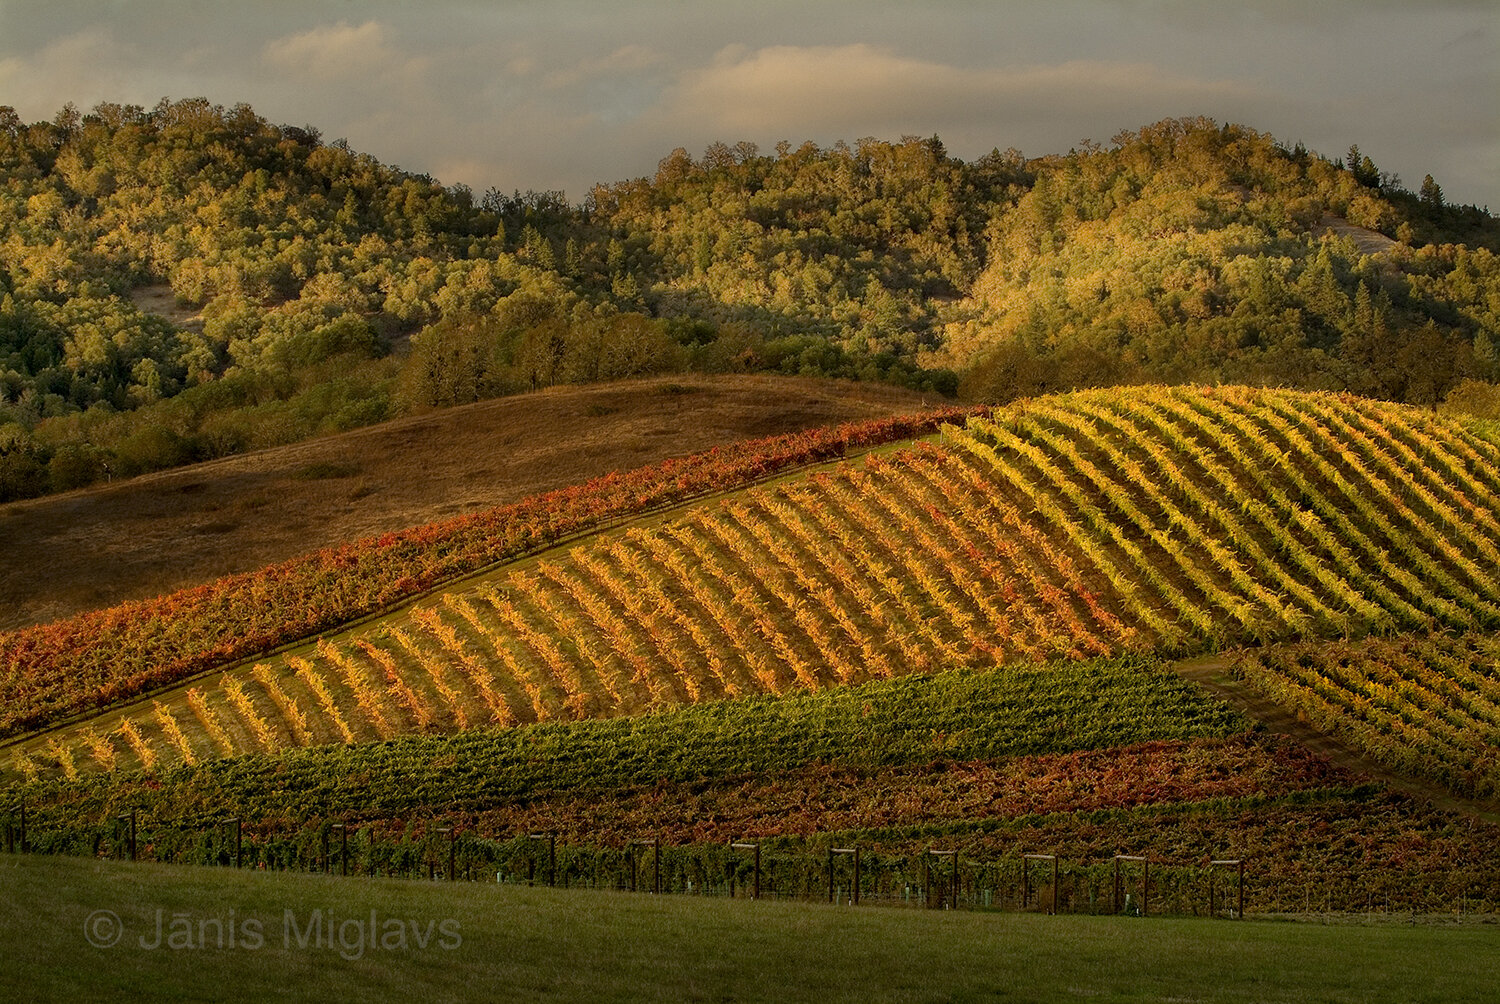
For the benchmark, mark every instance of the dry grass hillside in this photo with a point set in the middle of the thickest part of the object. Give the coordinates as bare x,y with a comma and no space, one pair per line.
100,546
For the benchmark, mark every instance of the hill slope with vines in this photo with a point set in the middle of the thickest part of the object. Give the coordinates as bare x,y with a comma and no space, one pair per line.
1088,525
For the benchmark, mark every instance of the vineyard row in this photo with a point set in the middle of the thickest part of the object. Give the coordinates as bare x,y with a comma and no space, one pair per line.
1427,707
105,658
1069,528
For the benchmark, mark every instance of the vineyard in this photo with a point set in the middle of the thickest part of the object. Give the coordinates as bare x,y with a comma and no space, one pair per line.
1426,706
962,643
961,715
96,660
1084,760
1173,521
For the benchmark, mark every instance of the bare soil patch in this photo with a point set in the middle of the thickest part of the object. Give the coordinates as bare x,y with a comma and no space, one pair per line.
93,548
1366,241
160,300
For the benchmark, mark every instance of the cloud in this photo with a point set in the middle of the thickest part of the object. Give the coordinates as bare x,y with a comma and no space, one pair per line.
336,52
72,68
563,94
861,89
626,61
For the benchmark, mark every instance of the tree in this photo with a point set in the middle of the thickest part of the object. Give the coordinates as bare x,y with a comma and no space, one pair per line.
1432,362
1486,356
626,289
451,362
1368,350
23,464
544,347
1431,194
1362,167
634,345
537,248
1009,371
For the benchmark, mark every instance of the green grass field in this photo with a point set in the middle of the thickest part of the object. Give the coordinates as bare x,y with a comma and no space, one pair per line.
517,943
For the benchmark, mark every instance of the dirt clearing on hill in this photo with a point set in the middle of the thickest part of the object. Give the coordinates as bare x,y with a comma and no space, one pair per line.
103,545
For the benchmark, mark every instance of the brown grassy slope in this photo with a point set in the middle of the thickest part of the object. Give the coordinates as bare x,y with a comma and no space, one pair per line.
101,546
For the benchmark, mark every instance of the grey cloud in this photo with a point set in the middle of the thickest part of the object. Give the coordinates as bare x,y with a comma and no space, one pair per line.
833,90
333,52
563,94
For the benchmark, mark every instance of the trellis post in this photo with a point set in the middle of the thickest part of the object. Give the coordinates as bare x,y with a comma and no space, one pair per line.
755,889
953,876
854,851
551,839
1026,878
448,831
655,846
1238,864
1145,880
224,826
125,817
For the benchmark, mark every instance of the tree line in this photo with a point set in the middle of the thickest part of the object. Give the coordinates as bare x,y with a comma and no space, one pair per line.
322,290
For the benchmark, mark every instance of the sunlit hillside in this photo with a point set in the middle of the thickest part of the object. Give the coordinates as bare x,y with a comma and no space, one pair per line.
1146,520
189,282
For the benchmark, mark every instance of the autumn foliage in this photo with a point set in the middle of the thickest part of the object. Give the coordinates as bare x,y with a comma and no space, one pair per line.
98,659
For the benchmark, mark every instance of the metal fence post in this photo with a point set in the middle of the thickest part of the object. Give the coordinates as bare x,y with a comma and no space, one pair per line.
1026,877
755,889
1238,864
452,840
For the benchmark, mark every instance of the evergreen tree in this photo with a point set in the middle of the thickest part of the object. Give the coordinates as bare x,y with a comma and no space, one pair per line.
1431,195
1486,357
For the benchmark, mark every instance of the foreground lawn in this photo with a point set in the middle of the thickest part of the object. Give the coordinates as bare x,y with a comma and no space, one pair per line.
512,943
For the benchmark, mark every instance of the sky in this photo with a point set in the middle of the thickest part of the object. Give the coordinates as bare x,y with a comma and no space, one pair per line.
563,94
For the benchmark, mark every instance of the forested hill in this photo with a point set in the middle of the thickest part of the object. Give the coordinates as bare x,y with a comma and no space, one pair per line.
318,289
1186,251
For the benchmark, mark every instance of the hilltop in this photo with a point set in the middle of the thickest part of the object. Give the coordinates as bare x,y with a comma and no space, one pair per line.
318,290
